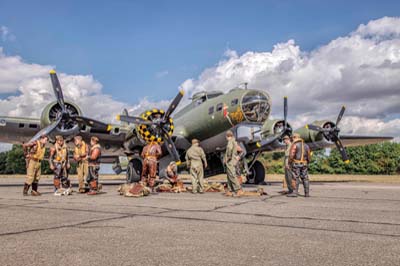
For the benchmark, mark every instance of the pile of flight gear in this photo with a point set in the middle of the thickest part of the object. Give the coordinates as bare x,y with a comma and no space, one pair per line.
135,190
167,186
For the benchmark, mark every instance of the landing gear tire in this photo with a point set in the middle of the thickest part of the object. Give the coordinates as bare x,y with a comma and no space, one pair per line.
257,174
133,171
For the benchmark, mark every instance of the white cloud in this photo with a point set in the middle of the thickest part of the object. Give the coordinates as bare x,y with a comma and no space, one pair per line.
360,70
6,34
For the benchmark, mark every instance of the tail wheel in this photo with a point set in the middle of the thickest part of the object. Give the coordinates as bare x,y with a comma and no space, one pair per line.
257,173
155,133
134,171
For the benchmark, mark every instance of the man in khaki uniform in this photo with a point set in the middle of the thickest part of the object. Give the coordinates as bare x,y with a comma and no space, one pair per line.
81,154
34,155
230,161
59,164
288,182
195,158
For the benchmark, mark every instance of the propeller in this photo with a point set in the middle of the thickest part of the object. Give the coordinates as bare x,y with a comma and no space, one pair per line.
285,131
159,124
64,116
332,134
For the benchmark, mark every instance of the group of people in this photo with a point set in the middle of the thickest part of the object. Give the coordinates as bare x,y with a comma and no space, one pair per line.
296,160
86,156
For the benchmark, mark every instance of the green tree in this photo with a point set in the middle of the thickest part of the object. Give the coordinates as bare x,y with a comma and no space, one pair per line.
15,160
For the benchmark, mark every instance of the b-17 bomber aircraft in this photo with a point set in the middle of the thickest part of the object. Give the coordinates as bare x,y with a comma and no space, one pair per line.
207,118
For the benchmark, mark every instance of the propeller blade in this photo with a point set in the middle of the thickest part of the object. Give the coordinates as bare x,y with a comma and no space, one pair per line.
285,110
341,149
170,145
174,104
57,89
91,123
46,131
134,120
339,118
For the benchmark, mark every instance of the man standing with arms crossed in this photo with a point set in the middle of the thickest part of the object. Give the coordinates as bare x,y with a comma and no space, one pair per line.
195,158
34,155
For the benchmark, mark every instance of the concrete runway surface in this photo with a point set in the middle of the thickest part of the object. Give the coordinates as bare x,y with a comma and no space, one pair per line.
341,224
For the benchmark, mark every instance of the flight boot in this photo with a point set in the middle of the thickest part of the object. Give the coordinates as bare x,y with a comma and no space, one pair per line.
93,188
26,189
306,184
296,191
35,191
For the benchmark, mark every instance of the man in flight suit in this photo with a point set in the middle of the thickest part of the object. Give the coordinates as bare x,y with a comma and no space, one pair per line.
34,153
195,157
59,164
150,154
230,161
94,166
288,182
81,154
299,158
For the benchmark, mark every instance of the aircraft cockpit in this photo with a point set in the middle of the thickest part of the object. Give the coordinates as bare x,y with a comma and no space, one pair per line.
256,106
200,97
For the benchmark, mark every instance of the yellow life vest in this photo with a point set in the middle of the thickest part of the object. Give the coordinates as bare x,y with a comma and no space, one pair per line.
81,150
61,153
39,153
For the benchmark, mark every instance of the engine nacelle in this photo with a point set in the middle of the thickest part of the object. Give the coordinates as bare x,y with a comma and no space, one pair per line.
309,135
272,127
51,112
151,132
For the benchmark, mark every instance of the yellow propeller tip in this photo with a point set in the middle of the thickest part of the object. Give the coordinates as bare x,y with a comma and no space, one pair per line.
285,97
347,161
306,126
109,127
258,145
178,162
118,117
182,92
52,71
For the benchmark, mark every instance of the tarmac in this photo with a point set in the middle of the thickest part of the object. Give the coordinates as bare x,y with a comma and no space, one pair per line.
340,224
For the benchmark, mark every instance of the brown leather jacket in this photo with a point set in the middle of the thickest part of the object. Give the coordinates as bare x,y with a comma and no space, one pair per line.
299,153
151,151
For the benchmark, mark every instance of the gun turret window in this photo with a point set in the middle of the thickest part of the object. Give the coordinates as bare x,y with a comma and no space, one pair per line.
235,102
256,106
219,107
211,110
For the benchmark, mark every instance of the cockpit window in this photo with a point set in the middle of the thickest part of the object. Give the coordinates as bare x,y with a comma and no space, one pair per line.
255,106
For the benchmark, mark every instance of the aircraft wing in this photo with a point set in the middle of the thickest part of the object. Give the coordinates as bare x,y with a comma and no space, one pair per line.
16,130
352,140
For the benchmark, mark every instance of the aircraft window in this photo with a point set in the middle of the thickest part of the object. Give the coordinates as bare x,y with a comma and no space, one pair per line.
235,102
211,110
219,107
21,125
255,106
33,126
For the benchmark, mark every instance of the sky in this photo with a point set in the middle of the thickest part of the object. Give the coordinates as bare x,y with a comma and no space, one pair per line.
137,54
